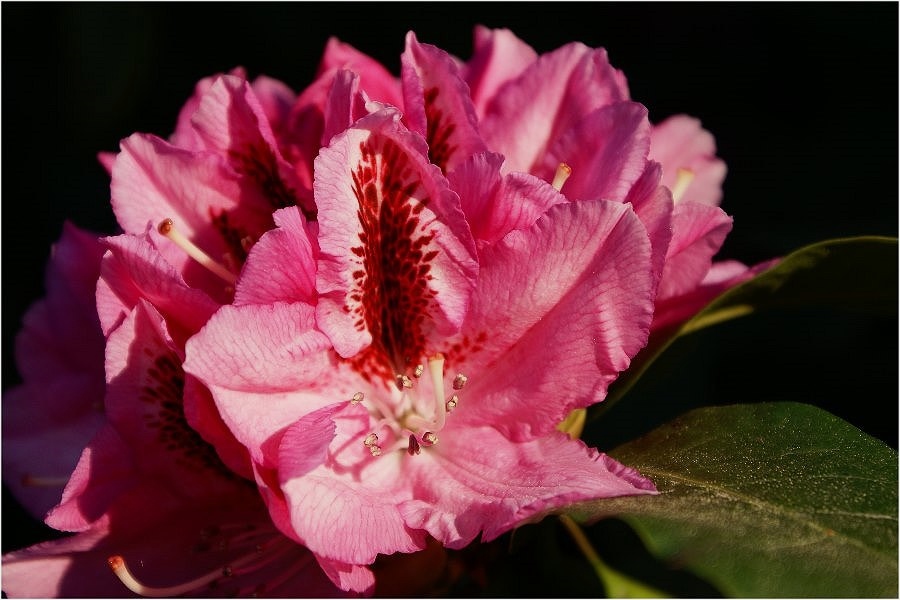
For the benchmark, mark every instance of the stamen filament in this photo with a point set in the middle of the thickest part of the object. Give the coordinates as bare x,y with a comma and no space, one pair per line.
436,370
563,171
167,228
118,566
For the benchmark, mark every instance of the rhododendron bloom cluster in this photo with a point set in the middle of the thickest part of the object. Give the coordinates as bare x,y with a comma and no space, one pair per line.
345,323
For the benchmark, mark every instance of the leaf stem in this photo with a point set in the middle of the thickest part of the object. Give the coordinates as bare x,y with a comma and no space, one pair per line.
617,585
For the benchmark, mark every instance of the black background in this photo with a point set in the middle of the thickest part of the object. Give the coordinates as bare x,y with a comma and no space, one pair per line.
802,99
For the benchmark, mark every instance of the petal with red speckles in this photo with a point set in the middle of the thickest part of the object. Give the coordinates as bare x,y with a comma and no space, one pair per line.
397,258
438,105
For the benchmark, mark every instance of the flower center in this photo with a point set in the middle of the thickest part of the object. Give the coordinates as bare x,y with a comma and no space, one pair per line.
414,415
239,551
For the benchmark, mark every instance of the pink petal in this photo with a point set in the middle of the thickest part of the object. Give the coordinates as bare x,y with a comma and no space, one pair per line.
437,104
349,513
59,354
606,150
201,414
549,97
257,356
144,403
388,237
653,204
276,99
721,277
103,473
495,204
216,208
559,311
354,578
377,82
698,231
39,417
281,265
132,270
174,547
185,135
499,57
680,142
232,123
107,160
476,481
344,106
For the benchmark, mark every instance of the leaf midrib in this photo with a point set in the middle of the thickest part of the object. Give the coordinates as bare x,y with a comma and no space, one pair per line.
794,515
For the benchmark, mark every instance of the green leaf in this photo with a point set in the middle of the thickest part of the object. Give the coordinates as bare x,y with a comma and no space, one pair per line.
858,274
770,499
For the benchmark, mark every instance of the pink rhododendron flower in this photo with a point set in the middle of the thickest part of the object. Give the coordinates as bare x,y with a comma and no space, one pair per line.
567,106
150,489
124,508
360,437
347,322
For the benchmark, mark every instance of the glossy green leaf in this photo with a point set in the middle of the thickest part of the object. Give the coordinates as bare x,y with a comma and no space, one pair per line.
770,499
850,273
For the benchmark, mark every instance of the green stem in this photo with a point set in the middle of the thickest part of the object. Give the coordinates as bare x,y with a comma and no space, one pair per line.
617,584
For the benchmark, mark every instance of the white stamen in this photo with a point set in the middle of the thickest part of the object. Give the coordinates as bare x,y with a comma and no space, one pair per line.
370,440
452,402
404,382
167,228
419,370
436,370
357,398
563,171
683,179
375,450
429,438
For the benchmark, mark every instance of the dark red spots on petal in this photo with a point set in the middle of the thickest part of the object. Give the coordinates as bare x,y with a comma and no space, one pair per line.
392,286
439,131
162,394
464,349
259,163
236,238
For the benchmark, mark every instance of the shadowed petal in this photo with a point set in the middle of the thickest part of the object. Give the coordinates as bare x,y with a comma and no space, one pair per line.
499,56
698,231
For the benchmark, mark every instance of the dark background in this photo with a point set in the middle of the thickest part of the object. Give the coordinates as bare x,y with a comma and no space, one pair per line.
802,99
